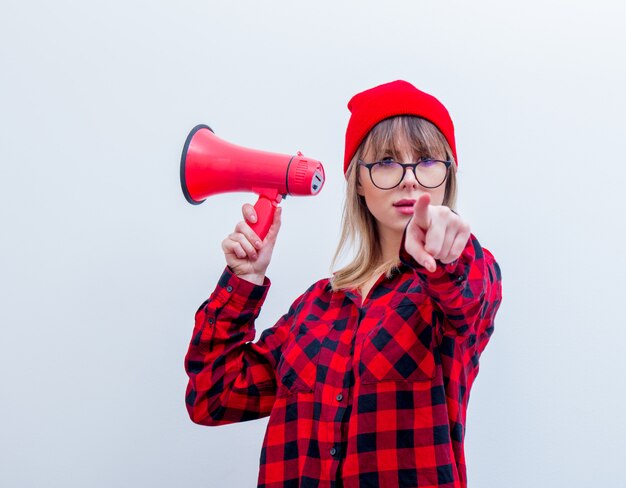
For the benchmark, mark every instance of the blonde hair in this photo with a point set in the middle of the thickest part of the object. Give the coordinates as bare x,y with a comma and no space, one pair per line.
358,226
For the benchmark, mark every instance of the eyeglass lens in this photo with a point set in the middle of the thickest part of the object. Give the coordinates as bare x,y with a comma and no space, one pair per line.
429,173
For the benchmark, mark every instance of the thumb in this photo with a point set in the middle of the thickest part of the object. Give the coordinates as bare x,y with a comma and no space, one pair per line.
272,233
415,246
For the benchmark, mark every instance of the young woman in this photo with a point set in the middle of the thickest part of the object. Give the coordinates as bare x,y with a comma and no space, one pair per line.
366,379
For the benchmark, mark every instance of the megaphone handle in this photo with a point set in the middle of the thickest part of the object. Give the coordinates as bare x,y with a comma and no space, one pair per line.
265,209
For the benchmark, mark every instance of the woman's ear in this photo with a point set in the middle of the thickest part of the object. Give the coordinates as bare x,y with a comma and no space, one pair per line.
359,186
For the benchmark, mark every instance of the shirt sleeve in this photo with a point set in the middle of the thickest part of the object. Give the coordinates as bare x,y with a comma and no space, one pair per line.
232,379
467,290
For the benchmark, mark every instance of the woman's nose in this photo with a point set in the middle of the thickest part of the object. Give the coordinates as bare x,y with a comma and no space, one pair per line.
408,179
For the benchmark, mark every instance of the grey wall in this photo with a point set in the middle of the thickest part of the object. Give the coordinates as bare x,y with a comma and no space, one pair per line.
103,263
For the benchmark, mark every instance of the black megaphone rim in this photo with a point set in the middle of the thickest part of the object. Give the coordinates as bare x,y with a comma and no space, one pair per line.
183,159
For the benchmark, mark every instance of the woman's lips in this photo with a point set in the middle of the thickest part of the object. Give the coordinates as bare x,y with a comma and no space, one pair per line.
406,210
404,207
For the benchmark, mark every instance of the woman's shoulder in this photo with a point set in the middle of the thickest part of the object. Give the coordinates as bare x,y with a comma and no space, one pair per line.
479,250
322,285
318,294
491,263
321,289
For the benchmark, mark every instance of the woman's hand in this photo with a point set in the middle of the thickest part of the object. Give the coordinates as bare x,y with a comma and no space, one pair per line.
245,254
435,232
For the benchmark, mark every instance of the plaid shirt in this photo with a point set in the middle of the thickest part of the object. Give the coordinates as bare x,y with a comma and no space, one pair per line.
358,395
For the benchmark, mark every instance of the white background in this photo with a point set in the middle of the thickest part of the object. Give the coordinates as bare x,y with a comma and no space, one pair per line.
103,262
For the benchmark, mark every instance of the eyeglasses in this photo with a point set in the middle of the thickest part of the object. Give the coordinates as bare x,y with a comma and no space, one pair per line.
387,173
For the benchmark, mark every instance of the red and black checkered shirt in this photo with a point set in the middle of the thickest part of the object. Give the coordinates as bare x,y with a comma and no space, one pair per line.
358,395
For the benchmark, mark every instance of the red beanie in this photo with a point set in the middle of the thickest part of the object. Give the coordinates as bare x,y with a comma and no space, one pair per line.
371,106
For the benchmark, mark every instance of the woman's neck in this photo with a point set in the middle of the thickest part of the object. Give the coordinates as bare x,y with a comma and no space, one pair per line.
389,245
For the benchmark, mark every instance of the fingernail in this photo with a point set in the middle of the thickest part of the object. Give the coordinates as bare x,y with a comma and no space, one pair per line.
252,218
257,243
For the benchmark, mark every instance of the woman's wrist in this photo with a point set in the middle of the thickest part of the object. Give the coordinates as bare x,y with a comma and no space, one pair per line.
253,278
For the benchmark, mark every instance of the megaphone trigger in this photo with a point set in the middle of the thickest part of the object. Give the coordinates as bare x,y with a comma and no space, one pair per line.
265,209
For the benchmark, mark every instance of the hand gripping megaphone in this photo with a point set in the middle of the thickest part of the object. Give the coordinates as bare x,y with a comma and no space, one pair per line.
210,165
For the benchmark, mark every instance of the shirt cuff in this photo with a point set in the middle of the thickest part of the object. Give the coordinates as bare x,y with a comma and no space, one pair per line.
241,293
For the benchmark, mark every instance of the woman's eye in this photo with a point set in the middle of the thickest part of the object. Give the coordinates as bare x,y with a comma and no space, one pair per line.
386,161
428,162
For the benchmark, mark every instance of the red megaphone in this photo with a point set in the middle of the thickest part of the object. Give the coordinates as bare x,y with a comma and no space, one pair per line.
210,165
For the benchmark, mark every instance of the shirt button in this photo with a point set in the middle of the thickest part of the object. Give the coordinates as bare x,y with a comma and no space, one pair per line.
339,397
229,288
211,321
333,451
459,279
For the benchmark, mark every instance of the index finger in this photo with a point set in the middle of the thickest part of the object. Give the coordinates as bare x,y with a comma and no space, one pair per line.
420,212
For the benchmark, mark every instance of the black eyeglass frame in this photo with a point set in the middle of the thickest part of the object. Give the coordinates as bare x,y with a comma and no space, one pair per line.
413,166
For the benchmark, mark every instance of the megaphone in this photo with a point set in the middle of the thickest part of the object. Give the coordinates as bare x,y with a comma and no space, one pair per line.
210,165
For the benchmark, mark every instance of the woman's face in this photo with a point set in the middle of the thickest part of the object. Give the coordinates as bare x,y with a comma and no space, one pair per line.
393,208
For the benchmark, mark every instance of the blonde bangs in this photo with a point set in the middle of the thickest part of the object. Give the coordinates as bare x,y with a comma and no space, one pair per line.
390,135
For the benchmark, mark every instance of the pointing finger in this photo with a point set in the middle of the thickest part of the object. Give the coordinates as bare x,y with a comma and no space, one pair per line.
420,212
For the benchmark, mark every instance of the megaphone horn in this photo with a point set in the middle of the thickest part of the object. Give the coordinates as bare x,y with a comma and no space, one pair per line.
210,165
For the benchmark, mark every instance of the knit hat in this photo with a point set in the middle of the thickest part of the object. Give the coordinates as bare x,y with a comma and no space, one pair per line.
371,106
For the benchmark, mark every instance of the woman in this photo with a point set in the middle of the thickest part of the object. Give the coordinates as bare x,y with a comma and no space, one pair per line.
366,378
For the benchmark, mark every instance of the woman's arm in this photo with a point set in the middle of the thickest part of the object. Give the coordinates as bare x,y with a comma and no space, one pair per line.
461,277
467,290
232,379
